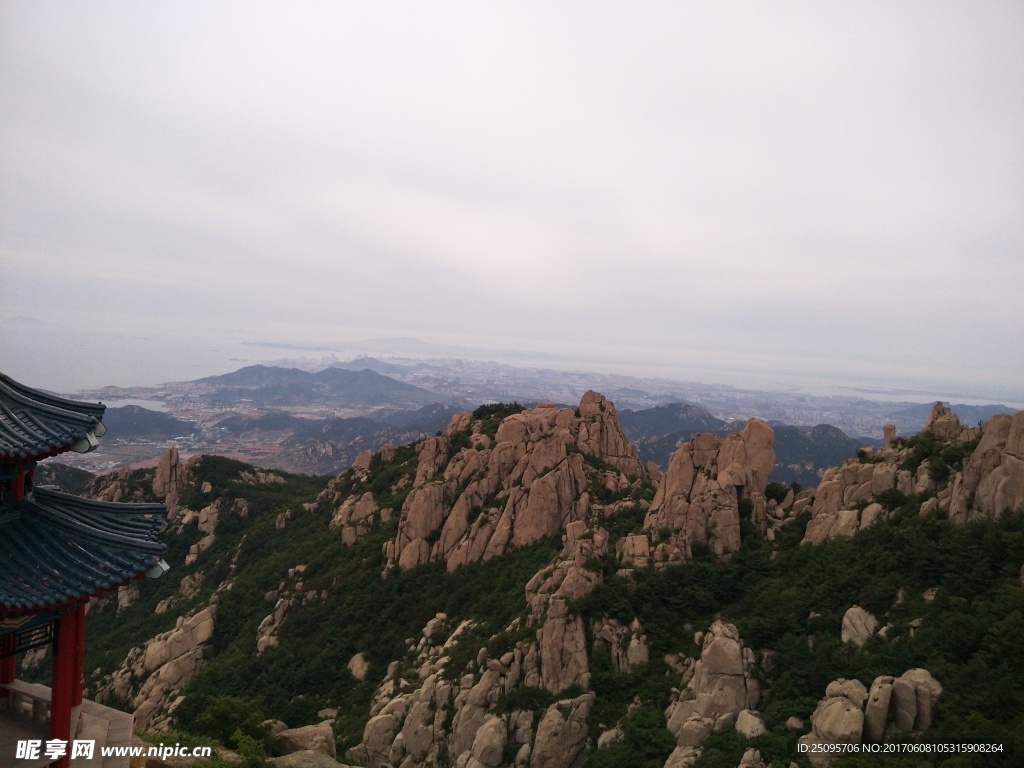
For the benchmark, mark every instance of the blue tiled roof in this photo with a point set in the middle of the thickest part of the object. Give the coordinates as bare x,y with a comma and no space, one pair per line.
35,424
55,547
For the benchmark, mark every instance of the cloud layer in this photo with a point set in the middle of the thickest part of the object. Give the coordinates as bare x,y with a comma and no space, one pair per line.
830,191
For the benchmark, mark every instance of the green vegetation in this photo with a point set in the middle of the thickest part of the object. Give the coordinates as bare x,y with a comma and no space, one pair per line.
969,637
942,458
645,743
867,458
786,599
491,415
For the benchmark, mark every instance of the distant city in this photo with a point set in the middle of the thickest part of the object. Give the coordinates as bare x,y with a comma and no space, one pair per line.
315,415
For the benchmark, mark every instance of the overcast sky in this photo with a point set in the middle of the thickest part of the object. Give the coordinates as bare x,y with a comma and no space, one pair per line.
717,190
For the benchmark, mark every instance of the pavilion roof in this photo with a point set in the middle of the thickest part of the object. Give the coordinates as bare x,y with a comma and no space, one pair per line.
35,424
55,547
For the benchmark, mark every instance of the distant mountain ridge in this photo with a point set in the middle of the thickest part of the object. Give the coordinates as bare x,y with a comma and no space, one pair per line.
68,479
804,453
133,421
662,420
370,364
275,387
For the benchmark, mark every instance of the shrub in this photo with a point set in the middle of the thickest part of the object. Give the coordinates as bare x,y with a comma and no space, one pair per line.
226,718
492,414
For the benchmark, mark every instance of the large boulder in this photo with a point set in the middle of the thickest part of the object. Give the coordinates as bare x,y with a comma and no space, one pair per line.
852,714
315,738
858,626
562,734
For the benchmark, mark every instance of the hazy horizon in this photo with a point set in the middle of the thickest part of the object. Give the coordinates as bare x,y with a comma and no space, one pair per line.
77,379
793,195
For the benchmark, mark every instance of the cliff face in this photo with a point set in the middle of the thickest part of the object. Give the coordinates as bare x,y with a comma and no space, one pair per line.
527,482
519,591
698,499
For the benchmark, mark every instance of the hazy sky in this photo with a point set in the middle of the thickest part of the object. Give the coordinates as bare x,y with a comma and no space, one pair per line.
717,189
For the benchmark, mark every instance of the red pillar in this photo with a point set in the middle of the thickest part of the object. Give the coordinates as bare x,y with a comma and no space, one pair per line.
77,676
62,683
6,673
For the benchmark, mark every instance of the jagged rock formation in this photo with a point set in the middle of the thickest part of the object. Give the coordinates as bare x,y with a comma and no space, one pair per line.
627,645
171,477
407,727
562,733
852,714
164,665
990,483
751,759
561,639
531,482
698,500
306,758
722,686
357,516
840,504
314,738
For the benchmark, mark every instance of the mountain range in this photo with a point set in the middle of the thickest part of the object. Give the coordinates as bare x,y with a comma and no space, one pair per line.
520,590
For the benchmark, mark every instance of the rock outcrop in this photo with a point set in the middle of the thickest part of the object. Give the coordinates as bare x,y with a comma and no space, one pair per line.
315,738
626,645
306,758
562,733
172,475
722,686
561,639
290,593
991,481
416,717
410,711
698,499
853,714
151,676
357,516
529,483
858,626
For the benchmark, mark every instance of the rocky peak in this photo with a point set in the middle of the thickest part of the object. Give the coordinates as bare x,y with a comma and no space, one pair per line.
944,424
171,476
474,498
992,480
698,499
